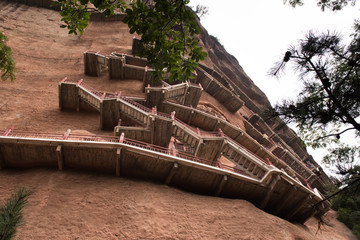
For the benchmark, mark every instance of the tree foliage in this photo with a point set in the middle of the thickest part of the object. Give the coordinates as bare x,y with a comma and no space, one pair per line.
7,63
328,106
167,28
11,213
345,158
333,5
329,103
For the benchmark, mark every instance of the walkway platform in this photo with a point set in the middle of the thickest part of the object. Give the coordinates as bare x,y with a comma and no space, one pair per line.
157,128
275,191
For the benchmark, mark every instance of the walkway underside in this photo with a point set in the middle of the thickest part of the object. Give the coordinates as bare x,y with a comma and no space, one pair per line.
275,192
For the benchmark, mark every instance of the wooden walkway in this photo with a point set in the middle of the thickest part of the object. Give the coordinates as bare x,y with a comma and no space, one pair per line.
275,192
157,128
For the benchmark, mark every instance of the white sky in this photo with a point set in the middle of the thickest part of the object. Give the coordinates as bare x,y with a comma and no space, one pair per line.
259,32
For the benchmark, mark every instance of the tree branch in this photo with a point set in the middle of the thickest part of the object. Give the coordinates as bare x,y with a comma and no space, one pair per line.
334,134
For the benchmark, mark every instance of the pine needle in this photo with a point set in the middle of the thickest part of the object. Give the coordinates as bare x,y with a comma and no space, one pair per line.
11,213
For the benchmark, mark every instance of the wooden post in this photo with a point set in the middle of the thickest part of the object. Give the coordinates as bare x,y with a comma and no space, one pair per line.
171,173
60,158
152,129
8,131
78,98
221,185
285,197
121,138
198,147
269,191
2,161
60,96
91,66
118,161
66,134
218,154
298,206
190,117
102,114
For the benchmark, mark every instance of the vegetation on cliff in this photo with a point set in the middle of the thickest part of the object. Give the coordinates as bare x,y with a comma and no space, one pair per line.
11,213
7,63
328,106
167,29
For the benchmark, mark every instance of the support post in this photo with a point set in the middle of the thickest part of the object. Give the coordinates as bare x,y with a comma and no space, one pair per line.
152,132
198,147
300,204
78,98
60,158
221,185
285,197
269,191
218,154
60,95
102,114
190,117
66,134
122,137
2,161
171,173
118,161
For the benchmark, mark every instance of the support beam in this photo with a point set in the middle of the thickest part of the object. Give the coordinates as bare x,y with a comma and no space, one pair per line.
298,206
78,99
216,127
221,185
2,160
171,173
102,115
285,197
152,132
269,191
218,154
60,157
198,147
60,96
118,161
190,117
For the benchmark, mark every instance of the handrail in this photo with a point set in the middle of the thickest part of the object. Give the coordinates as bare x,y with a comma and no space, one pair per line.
138,105
246,150
186,125
198,133
114,139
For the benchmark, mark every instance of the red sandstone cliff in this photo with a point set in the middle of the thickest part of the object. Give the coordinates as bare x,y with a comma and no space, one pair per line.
72,205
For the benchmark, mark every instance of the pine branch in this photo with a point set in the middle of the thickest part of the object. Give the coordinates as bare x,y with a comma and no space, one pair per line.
11,213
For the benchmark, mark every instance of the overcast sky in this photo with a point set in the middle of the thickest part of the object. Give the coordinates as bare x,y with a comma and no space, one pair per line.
259,32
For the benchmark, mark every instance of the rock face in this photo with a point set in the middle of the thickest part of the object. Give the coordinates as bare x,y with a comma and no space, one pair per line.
68,204
255,102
